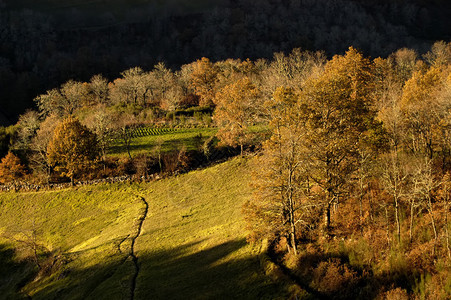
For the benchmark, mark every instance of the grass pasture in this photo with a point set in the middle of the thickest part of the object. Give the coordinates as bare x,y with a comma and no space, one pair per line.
147,140
191,245
80,227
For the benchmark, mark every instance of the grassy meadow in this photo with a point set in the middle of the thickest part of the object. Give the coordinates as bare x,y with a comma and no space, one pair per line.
191,244
190,138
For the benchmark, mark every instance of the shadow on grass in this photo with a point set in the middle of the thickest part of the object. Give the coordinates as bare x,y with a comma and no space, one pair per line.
183,272
14,274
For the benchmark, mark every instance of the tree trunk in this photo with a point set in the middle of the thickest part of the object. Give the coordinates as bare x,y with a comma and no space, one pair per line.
291,208
412,204
446,230
398,222
128,151
293,240
327,217
326,224
388,225
292,228
431,212
361,211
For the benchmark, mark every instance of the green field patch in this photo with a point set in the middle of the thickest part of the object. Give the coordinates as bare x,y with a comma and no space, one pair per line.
189,138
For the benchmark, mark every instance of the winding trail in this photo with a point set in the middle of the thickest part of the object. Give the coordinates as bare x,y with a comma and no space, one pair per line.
132,254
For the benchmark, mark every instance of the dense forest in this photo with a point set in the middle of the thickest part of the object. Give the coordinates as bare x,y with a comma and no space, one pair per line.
350,156
45,43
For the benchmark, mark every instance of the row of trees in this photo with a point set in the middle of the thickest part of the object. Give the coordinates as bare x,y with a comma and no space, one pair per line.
235,89
239,92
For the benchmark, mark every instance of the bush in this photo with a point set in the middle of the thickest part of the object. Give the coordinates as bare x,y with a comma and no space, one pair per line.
421,258
175,161
335,279
396,294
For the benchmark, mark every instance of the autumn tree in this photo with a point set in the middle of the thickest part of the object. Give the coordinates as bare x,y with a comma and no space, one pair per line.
280,204
123,127
439,55
404,63
395,179
98,90
167,89
237,108
27,126
38,147
232,70
132,88
101,123
340,114
290,70
63,101
11,169
203,80
425,183
425,113
73,148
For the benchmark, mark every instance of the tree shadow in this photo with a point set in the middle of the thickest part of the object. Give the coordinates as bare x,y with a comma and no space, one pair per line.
182,272
206,274
14,273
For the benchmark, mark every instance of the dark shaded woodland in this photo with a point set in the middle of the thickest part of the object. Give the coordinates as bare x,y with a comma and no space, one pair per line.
44,45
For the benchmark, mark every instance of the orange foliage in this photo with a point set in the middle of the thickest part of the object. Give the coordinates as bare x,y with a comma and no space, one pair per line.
11,168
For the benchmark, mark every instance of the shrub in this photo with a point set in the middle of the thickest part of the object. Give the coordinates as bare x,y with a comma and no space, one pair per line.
396,294
335,279
175,161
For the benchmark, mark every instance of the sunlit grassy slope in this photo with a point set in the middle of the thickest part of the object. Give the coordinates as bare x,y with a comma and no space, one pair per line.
192,244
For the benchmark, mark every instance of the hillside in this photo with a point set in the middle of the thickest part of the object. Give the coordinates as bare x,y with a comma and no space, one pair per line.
100,242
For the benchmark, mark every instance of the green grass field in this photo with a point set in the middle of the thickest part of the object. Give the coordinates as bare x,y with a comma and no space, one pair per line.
191,244
170,140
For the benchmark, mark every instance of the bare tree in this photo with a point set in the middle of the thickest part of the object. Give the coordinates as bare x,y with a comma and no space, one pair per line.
38,155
